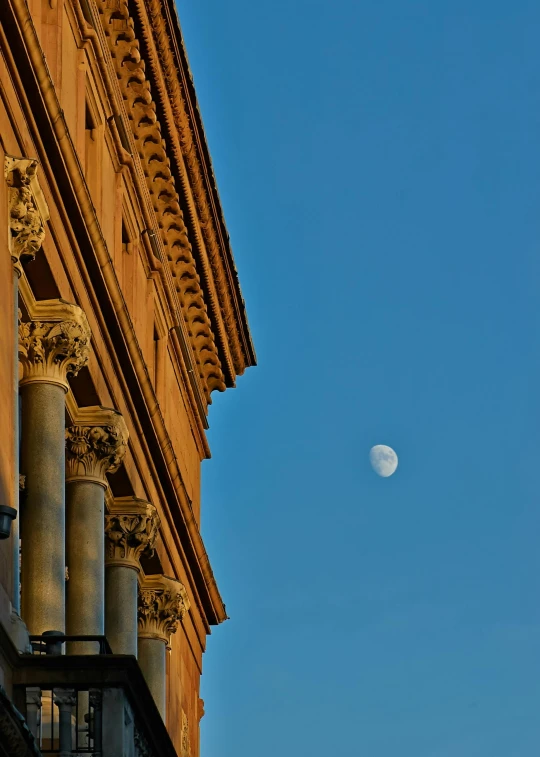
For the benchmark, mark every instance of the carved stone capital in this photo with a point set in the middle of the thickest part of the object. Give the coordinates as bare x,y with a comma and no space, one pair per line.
96,445
163,602
27,210
131,528
55,346
64,698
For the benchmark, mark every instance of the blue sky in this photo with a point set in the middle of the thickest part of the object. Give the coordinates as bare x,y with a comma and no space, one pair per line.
379,167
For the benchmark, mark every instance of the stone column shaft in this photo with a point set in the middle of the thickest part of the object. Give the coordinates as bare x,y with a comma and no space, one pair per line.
85,558
163,602
65,700
43,516
121,589
16,525
49,351
27,215
131,529
153,663
92,449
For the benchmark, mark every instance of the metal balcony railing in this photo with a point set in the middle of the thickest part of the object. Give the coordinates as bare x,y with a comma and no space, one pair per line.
65,721
91,704
52,643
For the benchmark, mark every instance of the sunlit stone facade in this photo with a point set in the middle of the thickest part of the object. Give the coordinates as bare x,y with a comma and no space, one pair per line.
120,314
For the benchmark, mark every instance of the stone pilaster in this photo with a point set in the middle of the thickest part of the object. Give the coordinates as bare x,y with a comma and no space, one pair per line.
50,349
94,446
27,214
131,529
65,700
163,603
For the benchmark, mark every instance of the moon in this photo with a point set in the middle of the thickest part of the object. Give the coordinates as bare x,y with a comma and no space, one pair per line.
383,459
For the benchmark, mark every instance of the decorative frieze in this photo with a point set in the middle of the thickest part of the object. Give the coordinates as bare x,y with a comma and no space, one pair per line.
27,210
56,347
131,528
96,445
163,602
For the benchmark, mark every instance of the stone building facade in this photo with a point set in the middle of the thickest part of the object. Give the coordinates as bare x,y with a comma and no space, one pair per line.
120,314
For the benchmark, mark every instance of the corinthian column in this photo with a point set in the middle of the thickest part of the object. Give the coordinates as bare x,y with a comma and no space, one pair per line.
163,602
93,448
27,215
50,349
130,530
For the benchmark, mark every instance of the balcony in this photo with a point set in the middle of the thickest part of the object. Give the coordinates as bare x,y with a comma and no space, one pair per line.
95,704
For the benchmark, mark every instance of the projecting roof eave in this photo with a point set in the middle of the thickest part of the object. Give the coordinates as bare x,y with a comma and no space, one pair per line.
238,342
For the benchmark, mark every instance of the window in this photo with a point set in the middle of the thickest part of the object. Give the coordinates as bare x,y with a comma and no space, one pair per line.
126,241
93,137
156,358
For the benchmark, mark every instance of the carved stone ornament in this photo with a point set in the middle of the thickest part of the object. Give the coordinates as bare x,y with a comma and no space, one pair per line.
131,528
64,698
185,743
56,347
200,708
163,602
27,210
142,747
96,445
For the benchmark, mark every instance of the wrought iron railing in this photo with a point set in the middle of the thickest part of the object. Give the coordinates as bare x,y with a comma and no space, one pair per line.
91,704
65,721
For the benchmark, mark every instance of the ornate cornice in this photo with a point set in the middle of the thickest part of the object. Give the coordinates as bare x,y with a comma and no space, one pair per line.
131,528
191,151
163,602
96,445
27,210
56,347
141,108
